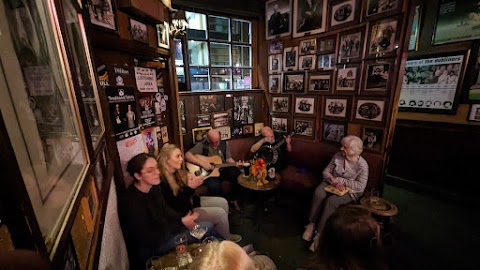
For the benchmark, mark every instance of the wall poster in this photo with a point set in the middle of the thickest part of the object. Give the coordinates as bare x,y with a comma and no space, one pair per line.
430,84
457,20
146,79
122,107
146,108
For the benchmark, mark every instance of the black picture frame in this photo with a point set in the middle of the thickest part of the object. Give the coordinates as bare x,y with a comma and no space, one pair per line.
326,45
320,82
293,82
275,46
307,62
110,24
343,13
275,83
373,138
381,41
377,77
290,58
350,46
333,131
373,10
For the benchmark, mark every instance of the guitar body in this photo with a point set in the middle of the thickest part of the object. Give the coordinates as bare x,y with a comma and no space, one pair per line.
199,171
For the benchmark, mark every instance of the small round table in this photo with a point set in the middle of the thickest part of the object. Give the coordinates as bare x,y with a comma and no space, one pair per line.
383,211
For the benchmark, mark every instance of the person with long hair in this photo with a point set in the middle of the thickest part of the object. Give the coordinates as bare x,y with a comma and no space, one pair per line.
178,187
347,169
223,255
351,241
148,224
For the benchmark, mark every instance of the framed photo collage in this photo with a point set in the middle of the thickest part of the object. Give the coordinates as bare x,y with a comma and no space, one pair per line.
322,78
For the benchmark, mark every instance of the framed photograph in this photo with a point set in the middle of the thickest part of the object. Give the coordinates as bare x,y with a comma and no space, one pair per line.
199,134
347,79
281,104
415,31
237,131
304,127
431,83
203,120
337,108
474,114
326,44
326,61
275,63
343,13
293,82
278,18
257,127
457,20
351,46
290,58
225,132
372,138
308,46
247,129
320,82
377,77
333,131
370,109
211,103
220,119
163,38
280,124
383,37
307,62
102,14
375,9
242,110
138,31
309,17
305,105
275,83
275,46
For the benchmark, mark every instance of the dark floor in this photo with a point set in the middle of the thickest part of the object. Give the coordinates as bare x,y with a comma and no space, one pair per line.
427,233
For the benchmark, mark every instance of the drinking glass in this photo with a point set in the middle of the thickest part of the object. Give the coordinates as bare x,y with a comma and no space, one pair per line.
198,231
210,239
154,263
246,168
181,242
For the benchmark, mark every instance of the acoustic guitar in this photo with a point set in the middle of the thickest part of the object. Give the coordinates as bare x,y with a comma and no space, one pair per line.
213,160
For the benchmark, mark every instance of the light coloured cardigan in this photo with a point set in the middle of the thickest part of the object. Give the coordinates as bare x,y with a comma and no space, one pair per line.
355,178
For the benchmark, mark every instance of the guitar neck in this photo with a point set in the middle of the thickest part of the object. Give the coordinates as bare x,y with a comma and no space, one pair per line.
223,165
282,141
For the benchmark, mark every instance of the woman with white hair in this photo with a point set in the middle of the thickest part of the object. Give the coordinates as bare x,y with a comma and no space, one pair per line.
347,169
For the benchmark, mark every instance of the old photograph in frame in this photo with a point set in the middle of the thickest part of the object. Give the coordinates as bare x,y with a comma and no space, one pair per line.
304,127
247,129
243,110
257,129
290,58
343,13
336,107
372,138
274,83
293,82
280,103
275,46
280,124
163,38
377,77
211,103
415,31
309,17
326,61
333,131
375,9
370,110
101,14
138,31
275,63
457,20
307,62
308,46
320,82
278,18
383,37
350,47
305,105
431,83
220,119
347,78
199,134
225,132
203,120
474,113
326,44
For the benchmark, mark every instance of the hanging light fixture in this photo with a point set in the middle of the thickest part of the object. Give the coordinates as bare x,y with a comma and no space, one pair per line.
179,24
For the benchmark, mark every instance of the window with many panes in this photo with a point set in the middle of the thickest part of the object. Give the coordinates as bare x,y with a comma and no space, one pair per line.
218,53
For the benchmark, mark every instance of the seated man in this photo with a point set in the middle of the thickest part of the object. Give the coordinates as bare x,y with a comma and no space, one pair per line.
212,145
275,157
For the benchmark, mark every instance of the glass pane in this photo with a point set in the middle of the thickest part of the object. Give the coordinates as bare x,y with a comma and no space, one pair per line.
197,25
218,28
242,78
198,53
220,54
241,31
241,56
199,78
42,121
83,67
221,78
180,74
178,52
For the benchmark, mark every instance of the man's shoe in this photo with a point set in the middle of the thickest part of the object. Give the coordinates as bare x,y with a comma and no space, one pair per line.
235,238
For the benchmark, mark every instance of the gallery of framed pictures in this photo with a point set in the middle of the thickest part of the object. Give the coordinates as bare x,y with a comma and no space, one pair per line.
304,128
431,84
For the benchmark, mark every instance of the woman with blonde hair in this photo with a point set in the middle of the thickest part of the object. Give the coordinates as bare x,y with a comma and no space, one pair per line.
178,187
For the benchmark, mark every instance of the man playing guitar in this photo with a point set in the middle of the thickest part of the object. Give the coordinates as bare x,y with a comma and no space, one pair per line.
226,183
269,140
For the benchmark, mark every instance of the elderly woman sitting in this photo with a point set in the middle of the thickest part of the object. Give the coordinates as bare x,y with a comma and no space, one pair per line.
347,169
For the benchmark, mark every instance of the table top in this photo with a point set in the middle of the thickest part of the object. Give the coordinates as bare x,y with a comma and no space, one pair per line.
250,183
170,259
379,206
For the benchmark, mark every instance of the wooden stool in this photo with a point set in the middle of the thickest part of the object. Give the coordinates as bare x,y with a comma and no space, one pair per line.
383,211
